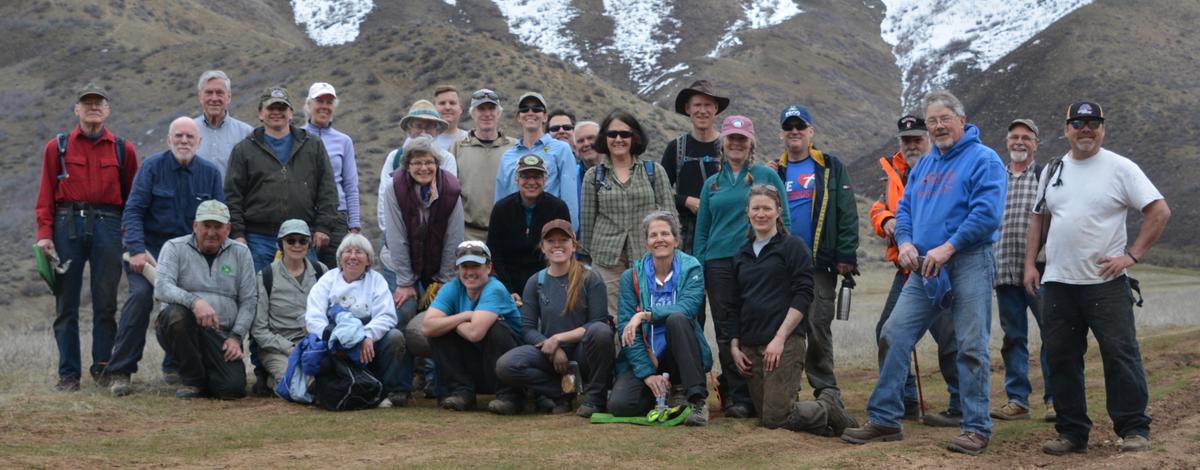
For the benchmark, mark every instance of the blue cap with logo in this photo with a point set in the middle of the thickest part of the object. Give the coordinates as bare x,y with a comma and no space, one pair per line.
795,111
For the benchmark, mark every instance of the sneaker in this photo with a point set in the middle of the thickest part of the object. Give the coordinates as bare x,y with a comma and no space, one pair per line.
187,392
872,432
386,403
1134,443
67,384
504,407
171,377
738,410
1011,411
458,403
968,443
699,416
1061,446
1051,415
945,419
912,410
399,398
587,409
119,385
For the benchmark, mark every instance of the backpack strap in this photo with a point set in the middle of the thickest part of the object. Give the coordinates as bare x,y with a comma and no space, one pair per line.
649,166
268,275
680,154
61,139
396,160
1055,165
121,168
541,279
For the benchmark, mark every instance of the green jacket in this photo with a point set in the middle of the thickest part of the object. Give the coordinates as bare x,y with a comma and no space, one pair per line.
262,193
837,238
689,300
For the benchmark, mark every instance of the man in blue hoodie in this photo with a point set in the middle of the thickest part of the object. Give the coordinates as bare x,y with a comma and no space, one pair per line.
946,224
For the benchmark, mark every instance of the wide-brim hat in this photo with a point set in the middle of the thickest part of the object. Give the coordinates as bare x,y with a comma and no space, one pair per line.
423,109
699,87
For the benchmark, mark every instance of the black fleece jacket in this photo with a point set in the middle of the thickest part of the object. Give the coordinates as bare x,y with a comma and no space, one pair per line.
778,278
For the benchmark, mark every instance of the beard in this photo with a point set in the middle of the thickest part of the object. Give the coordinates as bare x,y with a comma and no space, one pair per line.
1018,156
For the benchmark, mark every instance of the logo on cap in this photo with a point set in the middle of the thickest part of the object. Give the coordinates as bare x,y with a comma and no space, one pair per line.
737,123
1085,109
276,93
531,160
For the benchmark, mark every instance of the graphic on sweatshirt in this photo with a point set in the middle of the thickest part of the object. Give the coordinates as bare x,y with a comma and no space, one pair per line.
348,303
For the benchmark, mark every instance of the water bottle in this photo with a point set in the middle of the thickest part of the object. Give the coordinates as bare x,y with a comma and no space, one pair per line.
844,294
660,402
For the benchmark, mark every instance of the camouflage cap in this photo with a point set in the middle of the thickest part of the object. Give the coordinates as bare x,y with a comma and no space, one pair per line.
275,94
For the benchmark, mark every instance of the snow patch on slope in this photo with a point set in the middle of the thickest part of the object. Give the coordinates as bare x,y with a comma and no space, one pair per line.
929,38
759,14
540,23
640,34
331,22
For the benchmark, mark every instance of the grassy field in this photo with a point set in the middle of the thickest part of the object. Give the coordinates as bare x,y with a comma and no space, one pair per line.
41,428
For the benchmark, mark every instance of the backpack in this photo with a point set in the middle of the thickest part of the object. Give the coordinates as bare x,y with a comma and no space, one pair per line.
342,386
268,276
602,174
61,140
681,157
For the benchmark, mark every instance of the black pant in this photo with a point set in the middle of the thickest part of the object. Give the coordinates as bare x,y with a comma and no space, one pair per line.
631,397
1107,309
526,366
328,254
722,287
468,368
198,352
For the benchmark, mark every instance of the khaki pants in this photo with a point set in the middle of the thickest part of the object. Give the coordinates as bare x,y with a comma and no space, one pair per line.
773,393
276,364
612,281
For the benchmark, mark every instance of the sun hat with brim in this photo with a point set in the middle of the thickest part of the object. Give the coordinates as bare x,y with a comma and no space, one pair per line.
472,251
699,87
560,225
423,109
214,210
293,227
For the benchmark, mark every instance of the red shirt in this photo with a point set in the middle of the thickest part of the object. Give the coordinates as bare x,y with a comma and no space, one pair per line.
93,176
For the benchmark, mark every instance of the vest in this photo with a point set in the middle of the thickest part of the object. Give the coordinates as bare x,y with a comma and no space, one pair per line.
426,241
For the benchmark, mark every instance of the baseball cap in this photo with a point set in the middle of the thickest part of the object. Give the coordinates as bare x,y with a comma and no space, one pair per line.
1024,122
275,94
531,162
91,88
484,96
795,111
321,89
909,125
533,94
558,224
214,210
293,227
472,251
738,125
1085,110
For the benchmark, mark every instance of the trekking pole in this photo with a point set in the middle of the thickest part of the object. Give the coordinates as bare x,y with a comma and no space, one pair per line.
920,391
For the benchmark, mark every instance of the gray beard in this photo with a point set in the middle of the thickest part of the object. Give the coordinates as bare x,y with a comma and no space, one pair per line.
1018,156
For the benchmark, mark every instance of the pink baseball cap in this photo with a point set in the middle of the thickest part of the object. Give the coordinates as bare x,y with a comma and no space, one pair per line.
738,125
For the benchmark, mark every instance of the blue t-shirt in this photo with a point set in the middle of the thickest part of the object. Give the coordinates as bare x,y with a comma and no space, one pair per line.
452,298
282,147
800,185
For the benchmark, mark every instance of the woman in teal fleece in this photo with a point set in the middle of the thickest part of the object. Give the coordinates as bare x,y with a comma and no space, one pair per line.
661,292
721,228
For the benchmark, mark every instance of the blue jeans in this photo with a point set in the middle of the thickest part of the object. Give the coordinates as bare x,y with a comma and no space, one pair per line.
386,366
263,247
95,240
942,332
131,329
1012,301
971,274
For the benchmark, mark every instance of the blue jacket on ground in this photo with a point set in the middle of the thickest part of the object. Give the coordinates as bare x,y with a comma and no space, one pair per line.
956,196
162,202
561,172
689,300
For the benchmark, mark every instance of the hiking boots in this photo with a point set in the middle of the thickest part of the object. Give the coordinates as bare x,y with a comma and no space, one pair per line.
872,432
945,419
543,404
458,403
171,377
100,377
738,410
262,384
67,384
699,416
587,409
1134,443
187,392
119,385
399,398
1011,411
839,420
1061,446
968,443
504,407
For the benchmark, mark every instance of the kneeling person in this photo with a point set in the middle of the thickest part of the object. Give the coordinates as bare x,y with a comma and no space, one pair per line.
283,289
564,319
207,284
471,323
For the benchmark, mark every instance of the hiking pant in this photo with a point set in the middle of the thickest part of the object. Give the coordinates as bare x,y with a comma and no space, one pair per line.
198,350
526,366
942,331
387,364
774,392
631,397
131,328
467,368
276,365
612,281
93,238
1012,302
1107,310
721,287
818,359
812,416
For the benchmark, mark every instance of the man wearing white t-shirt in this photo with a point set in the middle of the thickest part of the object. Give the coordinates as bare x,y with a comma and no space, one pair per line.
1084,198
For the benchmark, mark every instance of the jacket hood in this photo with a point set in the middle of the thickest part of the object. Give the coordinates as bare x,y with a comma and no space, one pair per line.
970,137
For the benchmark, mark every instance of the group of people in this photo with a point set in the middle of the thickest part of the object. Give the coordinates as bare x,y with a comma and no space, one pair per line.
562,270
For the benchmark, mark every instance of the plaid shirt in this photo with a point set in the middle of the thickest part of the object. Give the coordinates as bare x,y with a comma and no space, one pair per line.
612,215
1010,257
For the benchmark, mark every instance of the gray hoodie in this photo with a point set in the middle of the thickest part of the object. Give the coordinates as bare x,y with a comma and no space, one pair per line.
228,284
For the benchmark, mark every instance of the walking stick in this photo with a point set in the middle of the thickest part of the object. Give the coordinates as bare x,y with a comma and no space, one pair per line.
920,391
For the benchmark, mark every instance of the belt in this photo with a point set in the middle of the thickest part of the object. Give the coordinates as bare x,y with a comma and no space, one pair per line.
84,209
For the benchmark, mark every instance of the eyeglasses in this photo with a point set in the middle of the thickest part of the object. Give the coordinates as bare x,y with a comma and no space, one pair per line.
534,109
485,94
1092,124
767,188
943,120
797,125
563,127
296,241
619,134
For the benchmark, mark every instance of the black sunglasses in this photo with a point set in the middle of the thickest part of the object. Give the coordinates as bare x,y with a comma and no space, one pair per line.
797,125
534,108
619,134
1092,124
491,95
296,240
563,127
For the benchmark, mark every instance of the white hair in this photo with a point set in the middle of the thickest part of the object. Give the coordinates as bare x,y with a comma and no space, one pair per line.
355,240
944,98
587,123
211,74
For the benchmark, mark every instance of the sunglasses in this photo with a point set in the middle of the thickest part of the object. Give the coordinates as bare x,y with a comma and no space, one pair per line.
563,127
485,94
534,109
296,240
619,134
797,125
1092,124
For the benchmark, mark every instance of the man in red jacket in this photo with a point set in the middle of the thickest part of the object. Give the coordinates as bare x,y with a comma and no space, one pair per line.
86,176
